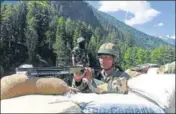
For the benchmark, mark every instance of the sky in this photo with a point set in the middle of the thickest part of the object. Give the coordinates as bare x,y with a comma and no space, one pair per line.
156,18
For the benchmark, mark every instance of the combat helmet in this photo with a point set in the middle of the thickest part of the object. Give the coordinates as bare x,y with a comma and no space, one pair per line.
80,39
109,49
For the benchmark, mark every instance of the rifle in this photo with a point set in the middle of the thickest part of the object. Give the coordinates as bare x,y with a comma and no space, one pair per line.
52,71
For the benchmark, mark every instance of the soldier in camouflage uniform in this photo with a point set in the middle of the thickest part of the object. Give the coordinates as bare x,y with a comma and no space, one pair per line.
140,69
168,68
111,78
80,54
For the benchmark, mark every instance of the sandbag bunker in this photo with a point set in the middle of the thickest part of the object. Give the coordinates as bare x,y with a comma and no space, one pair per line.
20,84
149,93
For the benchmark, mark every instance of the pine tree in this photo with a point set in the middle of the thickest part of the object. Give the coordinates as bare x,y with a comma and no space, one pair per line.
60,47
76,35
69,32
31,33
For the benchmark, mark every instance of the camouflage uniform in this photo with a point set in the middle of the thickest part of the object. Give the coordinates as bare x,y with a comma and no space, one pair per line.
116,82
80,55
167,68
140,69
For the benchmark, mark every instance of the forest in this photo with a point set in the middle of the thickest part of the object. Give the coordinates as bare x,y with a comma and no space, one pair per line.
43,33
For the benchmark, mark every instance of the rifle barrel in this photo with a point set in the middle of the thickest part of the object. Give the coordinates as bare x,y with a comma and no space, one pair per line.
52,71
47,72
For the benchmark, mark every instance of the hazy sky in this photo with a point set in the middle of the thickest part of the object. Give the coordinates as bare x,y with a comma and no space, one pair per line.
155,18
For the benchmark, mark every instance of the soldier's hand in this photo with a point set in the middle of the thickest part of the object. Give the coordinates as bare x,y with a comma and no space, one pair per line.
88,73
78,76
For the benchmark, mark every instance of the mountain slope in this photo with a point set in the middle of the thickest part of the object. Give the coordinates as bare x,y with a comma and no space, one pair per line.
76,10
168,40
142,39
80,10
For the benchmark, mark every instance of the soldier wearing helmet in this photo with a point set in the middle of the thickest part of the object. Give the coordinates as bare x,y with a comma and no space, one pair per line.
111,78
80,54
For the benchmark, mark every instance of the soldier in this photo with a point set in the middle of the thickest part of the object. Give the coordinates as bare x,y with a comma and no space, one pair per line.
111,78
140,69
80,54
168,68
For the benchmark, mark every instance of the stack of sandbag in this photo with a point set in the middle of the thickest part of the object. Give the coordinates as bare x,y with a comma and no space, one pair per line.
20,84
157,88
167,68
39,104
140,69
115,103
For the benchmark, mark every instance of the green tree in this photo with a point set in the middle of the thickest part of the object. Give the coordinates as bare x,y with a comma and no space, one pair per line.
60,47
69,28
128,59
31,33
76,35
157,55
140,56
129,40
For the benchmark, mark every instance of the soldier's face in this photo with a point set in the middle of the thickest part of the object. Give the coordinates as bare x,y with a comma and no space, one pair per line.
106,61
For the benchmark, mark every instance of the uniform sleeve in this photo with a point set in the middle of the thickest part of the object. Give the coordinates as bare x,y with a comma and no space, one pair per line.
125,75
82,86
119,84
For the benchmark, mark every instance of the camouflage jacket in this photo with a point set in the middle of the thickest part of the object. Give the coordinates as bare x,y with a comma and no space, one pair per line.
80,56
168,68
113,83
140,69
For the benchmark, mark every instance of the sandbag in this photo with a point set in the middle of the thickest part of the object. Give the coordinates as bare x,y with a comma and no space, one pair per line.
171,108
152,71
158,87
19,84
115,103
39,104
